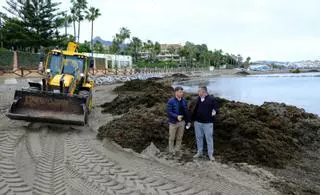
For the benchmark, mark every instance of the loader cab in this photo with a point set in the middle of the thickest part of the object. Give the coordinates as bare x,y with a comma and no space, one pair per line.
54,63
73,65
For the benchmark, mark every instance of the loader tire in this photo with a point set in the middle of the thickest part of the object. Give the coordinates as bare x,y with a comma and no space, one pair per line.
89,96
88,105
86,113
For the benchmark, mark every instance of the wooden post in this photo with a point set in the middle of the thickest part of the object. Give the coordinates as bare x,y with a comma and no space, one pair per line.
21,69
15,61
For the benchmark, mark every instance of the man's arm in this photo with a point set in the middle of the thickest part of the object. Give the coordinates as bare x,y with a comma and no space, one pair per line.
214,104
170,109
186,111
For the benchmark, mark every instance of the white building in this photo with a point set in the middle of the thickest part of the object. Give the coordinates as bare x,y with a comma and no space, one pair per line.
112,61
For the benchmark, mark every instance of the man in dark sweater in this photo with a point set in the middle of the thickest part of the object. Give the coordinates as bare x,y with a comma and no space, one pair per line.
203,115
177,108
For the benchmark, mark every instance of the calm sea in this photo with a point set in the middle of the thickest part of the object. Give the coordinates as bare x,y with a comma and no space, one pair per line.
301,90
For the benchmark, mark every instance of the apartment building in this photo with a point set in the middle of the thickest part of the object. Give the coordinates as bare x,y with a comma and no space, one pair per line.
168,52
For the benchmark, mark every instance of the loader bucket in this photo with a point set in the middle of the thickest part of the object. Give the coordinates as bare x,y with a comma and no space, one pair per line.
41,106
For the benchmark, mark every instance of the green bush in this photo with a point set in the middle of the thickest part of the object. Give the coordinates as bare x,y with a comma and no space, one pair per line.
6,59
28,60
295,71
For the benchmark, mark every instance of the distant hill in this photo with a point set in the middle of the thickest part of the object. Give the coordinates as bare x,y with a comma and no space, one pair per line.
99,39
107,43
296,64
269,62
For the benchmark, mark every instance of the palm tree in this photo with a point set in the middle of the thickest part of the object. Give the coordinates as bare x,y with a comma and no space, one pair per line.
205,56
74,19
218,57
115,50
150,49
119,39
239,60
156,48
124,34
79,6
92,15
136,45
67,19
191,51
234,59
248,60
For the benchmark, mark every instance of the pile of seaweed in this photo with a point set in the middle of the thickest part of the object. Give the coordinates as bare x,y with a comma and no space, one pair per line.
179,75
243,72
138,94
270,135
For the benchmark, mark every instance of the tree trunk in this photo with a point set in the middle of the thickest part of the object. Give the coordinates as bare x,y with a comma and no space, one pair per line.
91,46
74,30
65,28
136,55
79,31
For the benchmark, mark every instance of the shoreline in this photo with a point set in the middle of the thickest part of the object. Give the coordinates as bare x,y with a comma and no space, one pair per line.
216,72
196,76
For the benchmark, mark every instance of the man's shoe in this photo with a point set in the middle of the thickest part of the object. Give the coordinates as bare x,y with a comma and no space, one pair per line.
198,155
211,158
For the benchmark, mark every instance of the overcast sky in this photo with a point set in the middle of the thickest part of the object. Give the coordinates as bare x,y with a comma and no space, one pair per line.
262,29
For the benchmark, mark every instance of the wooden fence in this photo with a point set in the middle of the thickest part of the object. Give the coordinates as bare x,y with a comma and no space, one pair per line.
24,64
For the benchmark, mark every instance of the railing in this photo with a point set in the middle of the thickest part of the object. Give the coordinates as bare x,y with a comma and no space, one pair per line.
171,70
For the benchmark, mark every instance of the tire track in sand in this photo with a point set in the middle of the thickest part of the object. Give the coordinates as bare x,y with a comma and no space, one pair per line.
4,188
3,136
89,167
106,176
50,169
10,180
154,182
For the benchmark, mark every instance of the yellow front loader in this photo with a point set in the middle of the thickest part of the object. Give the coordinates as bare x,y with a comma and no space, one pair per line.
65,94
